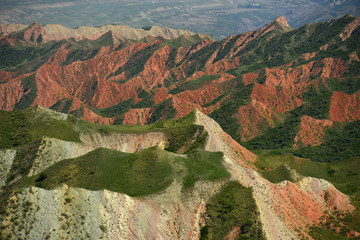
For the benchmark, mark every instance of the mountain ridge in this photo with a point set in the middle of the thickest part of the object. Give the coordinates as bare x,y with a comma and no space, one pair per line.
281,208
56,32
218,19
136,81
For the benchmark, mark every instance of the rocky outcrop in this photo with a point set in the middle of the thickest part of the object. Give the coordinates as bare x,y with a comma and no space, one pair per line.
42,114
6,160
349,29
125,142
88,214
34,33
52,150
281,20
218,140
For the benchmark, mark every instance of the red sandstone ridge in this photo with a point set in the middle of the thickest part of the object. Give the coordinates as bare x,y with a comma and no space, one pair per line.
155,70
249,78
161,95
283,22
5,76
34,33
283,102
254,118
12,90
344,107
304,203
222,66
90,116
88,80
187,101
349,29
265,109
281,93
137,116
297,78
97,74
311,131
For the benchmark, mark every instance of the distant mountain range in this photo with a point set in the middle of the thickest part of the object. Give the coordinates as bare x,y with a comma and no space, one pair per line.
281,105
55,32
218,19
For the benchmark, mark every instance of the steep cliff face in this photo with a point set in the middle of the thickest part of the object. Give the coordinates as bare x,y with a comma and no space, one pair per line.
103,214
218,140
11,93
6,159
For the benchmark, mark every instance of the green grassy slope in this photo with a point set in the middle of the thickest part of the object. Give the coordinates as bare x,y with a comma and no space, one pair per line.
134,174
233,207
345,175
18,128
138,174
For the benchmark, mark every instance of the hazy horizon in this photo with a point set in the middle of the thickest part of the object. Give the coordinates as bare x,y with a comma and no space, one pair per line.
214,17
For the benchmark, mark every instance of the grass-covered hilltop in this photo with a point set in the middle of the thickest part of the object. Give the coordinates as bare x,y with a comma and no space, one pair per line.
179,163
53,163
